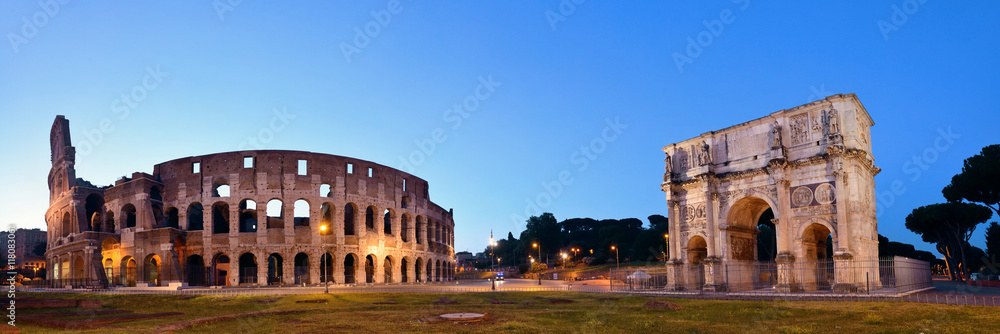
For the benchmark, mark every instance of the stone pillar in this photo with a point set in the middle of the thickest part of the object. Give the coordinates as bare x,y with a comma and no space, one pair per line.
338,260
715,271
288,270
787,281
843,273
261,258
673,227
675,275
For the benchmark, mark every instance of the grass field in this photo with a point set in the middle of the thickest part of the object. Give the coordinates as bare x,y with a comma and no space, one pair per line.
586,314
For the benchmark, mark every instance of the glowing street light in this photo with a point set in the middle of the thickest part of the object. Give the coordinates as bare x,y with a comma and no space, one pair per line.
666,238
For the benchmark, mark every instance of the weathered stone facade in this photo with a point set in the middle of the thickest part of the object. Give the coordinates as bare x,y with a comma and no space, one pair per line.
811,165
247,217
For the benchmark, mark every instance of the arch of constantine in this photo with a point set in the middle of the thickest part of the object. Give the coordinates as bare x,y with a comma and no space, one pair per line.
810,167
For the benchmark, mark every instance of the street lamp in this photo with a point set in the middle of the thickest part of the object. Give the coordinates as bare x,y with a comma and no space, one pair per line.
535,245
326,275
618,266
564,259
493,269
666,238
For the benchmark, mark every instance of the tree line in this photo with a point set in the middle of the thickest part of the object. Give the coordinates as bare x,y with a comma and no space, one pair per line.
973,196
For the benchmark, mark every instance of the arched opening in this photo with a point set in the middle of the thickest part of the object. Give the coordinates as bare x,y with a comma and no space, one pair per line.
817,261
404,233
370,218
152,271
405,202
349,269
109,269
437,270
173,218
326,268
418,266
324,190
220,218
93,204
248,268
109,221
196,270
697,250
301,268
67,224
349,219
274,269
220,270
301,212
155,194
387,222
220,190
326,219
156,203
403,270
130,271
129,215
196,217
767,237
420,223
387,265
370,269
430,272
275,214
248,216
79,270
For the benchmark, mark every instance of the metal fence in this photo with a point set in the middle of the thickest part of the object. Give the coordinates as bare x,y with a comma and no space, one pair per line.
880,276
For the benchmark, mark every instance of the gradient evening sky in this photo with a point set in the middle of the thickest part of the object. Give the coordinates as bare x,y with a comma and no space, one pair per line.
935,70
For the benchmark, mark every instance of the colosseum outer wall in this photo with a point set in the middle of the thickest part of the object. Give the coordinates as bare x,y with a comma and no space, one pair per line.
285,216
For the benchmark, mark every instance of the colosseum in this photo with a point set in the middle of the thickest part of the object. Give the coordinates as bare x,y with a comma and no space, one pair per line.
262,217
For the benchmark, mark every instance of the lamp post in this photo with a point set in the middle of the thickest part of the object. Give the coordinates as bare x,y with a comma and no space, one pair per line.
564,259
618,266
326,276
493,279
666,238
535,245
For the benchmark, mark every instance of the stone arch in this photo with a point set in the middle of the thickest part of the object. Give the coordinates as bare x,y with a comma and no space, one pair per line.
247,216
94,204
129,216
742,218
129,271
195,217
195,270
418,267
153,273
387,268
109,221
404,267
275,213
326,219
79,269
326,267
109,269
370,268
220,218
387,221
220,188
301,268
173,218
350,261
221,269
325,190
430,270
349,210
67,224
816,264
275,269
300,212
370,218
404,227
419,236
248,268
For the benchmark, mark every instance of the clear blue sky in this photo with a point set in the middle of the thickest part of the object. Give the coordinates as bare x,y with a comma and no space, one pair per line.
222,76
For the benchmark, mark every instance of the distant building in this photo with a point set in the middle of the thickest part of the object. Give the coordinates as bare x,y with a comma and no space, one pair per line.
25,241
